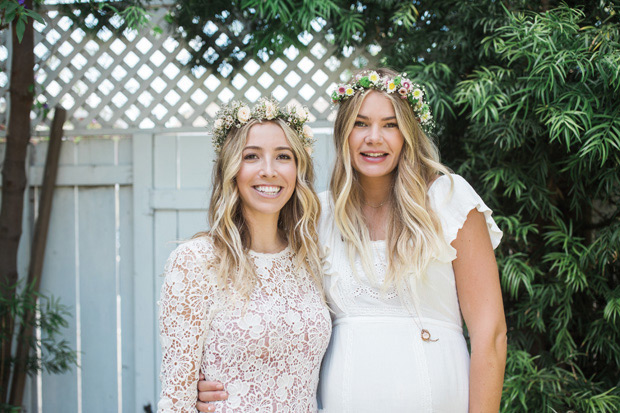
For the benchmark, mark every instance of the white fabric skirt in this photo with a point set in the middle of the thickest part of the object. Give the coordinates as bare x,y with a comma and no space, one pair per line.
380,363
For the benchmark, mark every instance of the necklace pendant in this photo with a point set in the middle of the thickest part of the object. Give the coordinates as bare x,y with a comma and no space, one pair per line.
426,336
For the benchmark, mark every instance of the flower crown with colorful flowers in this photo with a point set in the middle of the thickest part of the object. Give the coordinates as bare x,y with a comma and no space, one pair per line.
236,114
412,92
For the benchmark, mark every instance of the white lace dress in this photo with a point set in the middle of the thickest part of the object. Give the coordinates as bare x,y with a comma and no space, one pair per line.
376,361
268,354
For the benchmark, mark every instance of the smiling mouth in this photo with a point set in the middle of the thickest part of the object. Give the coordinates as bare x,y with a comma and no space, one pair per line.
268,189
374,154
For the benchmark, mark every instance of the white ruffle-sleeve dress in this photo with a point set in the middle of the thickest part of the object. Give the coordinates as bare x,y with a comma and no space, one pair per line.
267,350
377,361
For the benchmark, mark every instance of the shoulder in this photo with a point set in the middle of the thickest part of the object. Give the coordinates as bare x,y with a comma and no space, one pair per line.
451,190
452,198
197,251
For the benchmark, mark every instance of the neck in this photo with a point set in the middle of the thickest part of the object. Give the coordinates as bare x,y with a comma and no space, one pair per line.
377,190
264,233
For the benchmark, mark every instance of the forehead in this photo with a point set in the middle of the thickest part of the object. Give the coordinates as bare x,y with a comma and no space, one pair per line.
266,134
376,104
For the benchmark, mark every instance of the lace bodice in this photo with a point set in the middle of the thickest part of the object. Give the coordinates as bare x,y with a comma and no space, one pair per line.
266,350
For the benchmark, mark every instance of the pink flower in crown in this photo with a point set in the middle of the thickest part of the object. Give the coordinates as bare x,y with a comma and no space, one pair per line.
403,92
342,90
406,84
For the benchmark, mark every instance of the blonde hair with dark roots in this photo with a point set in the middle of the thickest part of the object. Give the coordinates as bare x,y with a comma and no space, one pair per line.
229,232
414,232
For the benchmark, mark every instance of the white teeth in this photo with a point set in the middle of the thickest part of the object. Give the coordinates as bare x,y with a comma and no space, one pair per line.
268,189
374,155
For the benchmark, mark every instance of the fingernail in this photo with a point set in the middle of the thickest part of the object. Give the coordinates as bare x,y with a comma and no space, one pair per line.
220,387
225,395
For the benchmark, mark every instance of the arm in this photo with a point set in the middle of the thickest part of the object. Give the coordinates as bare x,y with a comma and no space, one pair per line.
183,309
480,299
209,391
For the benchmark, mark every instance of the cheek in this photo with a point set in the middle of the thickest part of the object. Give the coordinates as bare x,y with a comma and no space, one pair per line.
290,174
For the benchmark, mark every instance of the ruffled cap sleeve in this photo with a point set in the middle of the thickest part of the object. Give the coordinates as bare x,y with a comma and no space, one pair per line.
452,204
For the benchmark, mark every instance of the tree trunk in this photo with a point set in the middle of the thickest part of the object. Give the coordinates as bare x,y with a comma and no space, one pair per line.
21,96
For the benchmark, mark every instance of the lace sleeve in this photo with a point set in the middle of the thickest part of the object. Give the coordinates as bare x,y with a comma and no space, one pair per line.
182,321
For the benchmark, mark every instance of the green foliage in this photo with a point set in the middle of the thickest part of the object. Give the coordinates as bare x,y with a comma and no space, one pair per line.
131,14
14,11
536,92
50,353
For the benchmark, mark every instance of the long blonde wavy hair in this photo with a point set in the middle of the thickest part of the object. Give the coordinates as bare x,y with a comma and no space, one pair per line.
229,232
414,231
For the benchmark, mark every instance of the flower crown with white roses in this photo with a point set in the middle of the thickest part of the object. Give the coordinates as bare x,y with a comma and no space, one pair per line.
412,92
236,114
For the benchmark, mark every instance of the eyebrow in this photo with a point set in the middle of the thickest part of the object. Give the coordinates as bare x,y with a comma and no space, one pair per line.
366,117
279,148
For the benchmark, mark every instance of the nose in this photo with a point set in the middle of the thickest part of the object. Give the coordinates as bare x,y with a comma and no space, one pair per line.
374,134
268,170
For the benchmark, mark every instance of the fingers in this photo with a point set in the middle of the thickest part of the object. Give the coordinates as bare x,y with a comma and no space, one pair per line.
205,407
209,386
212,396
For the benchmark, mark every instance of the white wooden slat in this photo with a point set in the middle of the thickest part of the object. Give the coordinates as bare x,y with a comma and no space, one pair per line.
192,222
171,199
125,152
196,156
323,156
143,275
127,296
93,151
39,153
165,159
60,391
98,299
85,175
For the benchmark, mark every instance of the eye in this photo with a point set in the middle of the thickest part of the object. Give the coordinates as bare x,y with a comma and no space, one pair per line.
359,124
284,156
250,156
391,125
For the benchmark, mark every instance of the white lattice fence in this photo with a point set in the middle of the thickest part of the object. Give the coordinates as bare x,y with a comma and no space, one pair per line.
130,80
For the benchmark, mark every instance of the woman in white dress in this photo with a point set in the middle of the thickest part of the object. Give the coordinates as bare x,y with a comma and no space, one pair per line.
408,257
242,303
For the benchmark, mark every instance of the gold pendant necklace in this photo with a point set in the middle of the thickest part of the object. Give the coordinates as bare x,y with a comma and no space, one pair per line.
426,335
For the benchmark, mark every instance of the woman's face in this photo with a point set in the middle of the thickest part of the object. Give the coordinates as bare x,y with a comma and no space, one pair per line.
375,142
268,173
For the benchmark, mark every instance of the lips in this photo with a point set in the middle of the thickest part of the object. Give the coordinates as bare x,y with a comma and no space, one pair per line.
374,154
268,189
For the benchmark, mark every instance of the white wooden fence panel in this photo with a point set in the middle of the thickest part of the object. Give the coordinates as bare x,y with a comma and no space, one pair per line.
60,278
144,270
127,291
98,298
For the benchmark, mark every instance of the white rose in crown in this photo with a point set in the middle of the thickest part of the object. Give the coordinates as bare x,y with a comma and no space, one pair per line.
300,112
218,124
243,114
270,110
307,130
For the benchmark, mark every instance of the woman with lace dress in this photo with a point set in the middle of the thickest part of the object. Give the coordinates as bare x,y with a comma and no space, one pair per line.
242,303
408,257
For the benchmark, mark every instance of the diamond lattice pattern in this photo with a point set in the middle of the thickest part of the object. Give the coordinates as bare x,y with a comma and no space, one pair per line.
143,80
